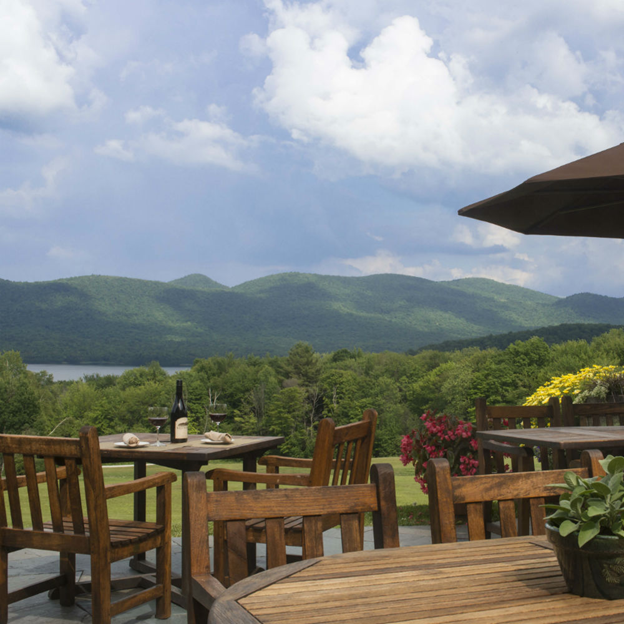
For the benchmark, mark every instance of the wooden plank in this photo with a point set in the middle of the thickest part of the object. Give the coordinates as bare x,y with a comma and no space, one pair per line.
37,445
56,511
312,537
282,503
11,483
236,548
34,501
276,543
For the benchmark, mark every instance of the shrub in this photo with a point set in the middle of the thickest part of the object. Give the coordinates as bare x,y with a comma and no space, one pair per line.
440,436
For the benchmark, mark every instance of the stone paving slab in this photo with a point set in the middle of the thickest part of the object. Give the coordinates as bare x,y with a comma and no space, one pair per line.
28,566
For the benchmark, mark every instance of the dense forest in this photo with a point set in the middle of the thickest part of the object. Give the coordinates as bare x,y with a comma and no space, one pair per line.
288,395
114,320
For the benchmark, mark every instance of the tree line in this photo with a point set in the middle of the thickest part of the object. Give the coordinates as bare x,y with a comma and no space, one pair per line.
288,395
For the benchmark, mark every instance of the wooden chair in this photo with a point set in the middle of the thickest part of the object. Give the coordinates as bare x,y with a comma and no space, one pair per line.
491,453
275,506
479,490
342,455
69,532
591,414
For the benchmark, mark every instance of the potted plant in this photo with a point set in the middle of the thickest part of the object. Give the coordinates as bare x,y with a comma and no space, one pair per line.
587,533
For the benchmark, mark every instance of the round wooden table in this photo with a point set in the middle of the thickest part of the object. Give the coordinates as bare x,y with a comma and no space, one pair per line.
512,580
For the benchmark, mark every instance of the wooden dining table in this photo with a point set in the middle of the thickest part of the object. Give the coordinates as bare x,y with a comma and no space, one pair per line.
512,580
185,456
561,439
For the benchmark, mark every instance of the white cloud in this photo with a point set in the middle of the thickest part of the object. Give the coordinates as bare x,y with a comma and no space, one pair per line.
23,201
34,79
63,253
115,148
190,142
196,142
143,114
397,104
482,235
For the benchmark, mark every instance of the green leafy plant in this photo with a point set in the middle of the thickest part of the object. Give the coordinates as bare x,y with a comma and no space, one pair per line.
591,507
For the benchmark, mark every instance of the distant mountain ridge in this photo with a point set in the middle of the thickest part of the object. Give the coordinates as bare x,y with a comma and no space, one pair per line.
117,320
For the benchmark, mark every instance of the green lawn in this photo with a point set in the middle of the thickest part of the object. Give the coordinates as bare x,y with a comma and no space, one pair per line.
413,508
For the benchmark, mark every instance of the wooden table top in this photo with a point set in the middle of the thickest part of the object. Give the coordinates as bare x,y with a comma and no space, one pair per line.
559,437
192,451
513,580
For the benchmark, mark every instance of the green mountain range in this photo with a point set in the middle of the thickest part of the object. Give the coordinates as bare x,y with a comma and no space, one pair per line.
116,320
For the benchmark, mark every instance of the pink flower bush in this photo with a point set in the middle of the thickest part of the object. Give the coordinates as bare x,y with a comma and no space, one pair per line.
440,436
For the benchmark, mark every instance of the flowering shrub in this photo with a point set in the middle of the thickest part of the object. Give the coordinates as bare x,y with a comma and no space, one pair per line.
574,384
440,436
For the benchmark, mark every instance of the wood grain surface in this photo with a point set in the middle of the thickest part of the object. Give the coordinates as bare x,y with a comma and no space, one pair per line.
560,437
515,580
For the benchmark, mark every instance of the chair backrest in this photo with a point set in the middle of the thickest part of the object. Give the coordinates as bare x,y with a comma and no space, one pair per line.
312,503
342,455
61,460
516,416
475,491
591,414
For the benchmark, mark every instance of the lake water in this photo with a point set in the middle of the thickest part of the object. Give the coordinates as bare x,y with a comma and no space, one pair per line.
71,372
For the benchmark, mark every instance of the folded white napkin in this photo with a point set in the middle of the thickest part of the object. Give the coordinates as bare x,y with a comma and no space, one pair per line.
215,436
130,439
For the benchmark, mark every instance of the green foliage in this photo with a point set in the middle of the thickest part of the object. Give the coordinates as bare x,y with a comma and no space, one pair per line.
288,395
591,507
113,320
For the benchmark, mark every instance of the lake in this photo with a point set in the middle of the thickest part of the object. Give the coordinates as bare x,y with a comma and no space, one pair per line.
71,372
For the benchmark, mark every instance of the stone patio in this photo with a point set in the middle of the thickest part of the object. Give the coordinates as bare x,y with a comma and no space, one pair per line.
28,566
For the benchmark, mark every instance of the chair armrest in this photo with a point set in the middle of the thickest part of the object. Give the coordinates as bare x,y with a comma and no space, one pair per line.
501,447
205,589
288,462
138,485
223,474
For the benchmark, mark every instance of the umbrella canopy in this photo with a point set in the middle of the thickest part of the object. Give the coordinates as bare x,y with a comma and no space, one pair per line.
582,198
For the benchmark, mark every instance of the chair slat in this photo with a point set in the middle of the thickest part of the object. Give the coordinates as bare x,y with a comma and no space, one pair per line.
347,463
56,508
12,488
476,521
3,516
609,419
526,423
538,524
339,460
350,532
276,542
33,492
312,539
358,464
236,550
507,513
75,499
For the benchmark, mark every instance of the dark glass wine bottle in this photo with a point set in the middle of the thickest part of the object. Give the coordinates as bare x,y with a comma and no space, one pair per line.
179,416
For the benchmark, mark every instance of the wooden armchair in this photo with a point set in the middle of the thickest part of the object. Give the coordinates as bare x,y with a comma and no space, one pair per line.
275,506
69,532
491,453
480,490
342,455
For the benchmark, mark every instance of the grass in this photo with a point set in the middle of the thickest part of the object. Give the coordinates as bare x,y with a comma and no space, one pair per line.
412,503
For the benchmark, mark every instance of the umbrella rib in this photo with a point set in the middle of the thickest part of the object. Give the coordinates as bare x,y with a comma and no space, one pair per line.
561,211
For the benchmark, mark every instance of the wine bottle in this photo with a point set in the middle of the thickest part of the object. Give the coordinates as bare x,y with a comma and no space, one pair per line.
179,416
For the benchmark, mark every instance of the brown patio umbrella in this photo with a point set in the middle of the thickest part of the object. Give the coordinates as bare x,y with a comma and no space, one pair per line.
582,198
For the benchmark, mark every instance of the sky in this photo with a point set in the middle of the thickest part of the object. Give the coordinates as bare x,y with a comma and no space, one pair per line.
241,138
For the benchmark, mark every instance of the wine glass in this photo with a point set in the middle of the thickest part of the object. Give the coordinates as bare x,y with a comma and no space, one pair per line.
217,413
158,417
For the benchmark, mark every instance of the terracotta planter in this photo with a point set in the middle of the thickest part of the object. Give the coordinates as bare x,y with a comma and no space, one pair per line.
596,570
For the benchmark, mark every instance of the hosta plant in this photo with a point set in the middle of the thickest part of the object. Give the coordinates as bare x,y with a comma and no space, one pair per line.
591,507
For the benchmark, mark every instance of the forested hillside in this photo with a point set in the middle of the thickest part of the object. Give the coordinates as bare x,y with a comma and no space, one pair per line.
288,395
114,320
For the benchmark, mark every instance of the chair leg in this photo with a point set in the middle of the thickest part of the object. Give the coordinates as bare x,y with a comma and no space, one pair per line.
4,587
101,590
163,577
67,592
199,611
